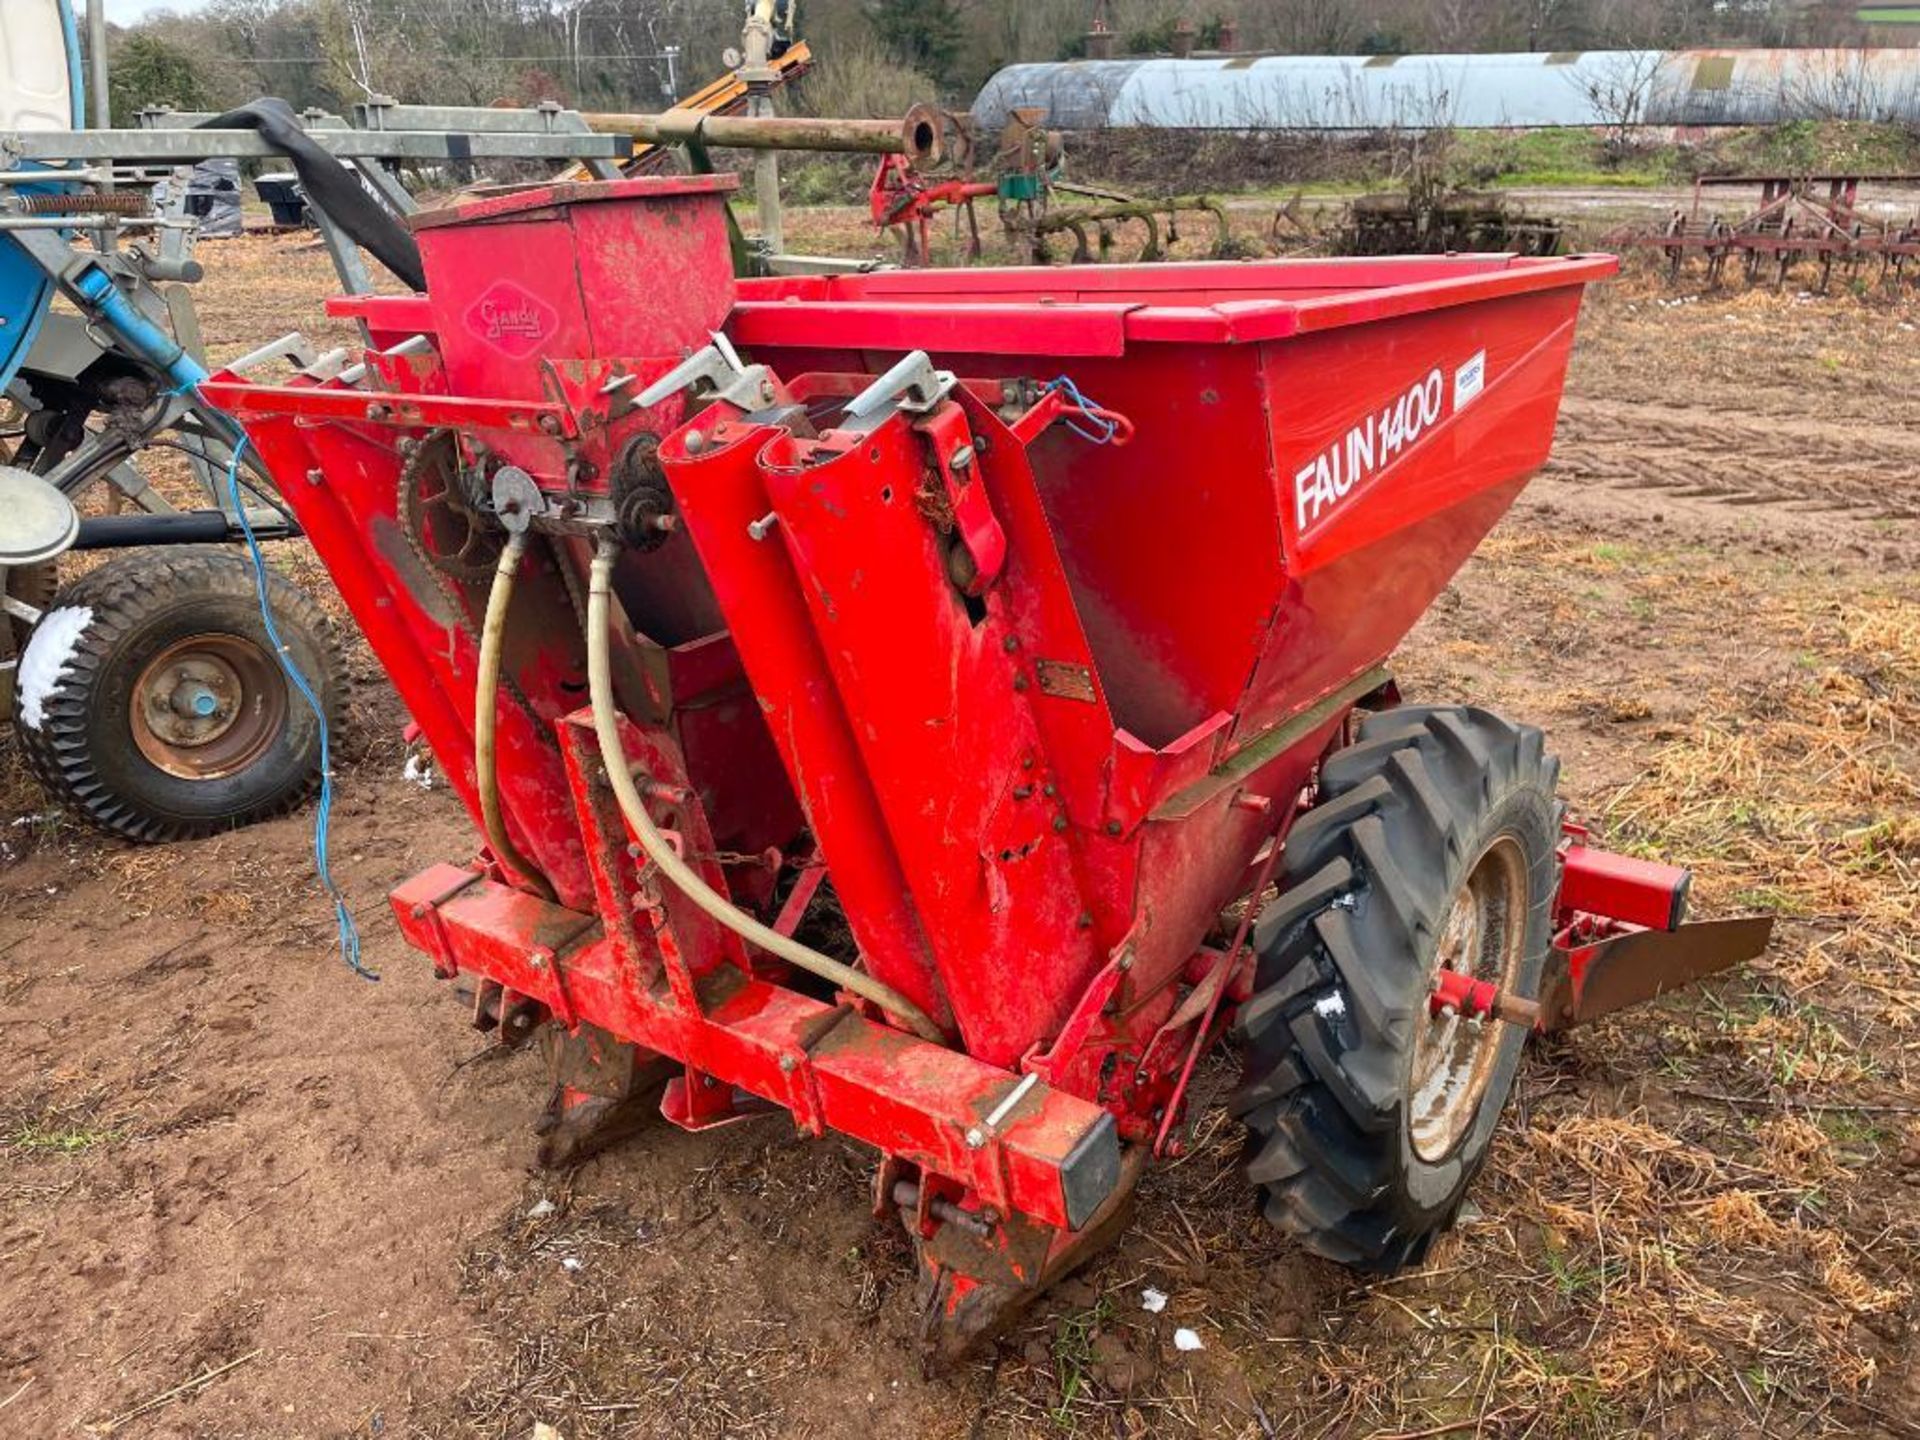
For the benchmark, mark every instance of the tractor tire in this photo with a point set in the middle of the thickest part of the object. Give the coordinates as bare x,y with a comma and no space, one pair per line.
166,714
1433,843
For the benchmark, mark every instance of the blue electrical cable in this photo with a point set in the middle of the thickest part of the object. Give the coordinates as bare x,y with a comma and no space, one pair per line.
1088,410
343,918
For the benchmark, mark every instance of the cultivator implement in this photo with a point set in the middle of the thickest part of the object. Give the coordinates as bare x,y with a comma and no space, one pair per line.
1815,221
1036,619
1037,205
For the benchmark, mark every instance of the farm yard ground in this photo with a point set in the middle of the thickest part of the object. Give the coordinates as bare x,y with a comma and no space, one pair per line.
243,1194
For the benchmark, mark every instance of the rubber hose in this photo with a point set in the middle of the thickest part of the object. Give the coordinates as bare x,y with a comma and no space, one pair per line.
614,757
486,715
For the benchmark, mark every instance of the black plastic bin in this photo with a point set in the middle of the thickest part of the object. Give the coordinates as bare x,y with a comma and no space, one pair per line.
283,196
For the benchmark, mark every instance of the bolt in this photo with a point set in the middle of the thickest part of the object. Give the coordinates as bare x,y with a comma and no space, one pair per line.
961,460
1447,1012
549,424
763,527
316,475
1021,792
976,1137
378,411
1026,762
537,960
1010,644
419,912
1049,790
1059,823
1126,961
1020,682
665,524
787,1064
1113,827
1085,922
695,442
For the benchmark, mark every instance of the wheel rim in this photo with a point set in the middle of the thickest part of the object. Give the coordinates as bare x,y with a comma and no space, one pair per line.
208,706
1483,936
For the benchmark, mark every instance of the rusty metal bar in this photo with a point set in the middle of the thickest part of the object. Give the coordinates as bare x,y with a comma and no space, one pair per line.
917,136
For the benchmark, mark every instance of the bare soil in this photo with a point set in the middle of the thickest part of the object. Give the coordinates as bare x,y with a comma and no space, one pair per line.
245,1194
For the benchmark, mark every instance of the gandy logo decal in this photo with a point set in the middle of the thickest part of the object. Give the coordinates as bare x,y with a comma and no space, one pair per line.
511,318
1379,439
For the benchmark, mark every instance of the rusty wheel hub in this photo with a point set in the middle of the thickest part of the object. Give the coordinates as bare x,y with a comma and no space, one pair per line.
1483,938
208,706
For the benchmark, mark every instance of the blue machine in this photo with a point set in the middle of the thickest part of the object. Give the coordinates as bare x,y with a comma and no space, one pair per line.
29,30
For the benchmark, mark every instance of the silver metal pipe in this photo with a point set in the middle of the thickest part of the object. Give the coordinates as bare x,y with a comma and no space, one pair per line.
100,110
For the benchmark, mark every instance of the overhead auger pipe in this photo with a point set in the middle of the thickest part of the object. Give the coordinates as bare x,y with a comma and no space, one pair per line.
682,875
486,715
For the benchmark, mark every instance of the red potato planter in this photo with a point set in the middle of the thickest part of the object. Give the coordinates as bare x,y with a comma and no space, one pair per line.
846,583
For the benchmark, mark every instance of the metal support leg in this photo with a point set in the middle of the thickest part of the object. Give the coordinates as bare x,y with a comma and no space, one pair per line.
766,182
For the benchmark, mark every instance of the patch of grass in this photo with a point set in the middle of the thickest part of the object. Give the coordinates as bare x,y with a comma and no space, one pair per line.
1568,158
1616,554
40,1139
1073,1355
1767,897
1574,1277
1848,1127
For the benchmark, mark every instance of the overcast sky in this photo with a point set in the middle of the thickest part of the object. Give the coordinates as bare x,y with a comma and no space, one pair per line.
125,10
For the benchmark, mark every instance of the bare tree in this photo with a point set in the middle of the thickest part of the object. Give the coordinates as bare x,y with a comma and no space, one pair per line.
1620,87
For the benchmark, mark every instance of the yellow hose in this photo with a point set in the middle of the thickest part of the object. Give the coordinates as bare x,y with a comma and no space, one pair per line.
614,757
486,704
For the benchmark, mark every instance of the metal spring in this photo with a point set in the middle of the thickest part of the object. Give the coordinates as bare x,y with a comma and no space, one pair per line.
105,202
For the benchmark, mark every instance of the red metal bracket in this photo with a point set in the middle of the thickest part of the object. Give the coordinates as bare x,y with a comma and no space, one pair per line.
1037,1150
951,441
370,407
1619,887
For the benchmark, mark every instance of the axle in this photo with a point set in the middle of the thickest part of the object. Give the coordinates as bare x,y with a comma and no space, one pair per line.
1457,994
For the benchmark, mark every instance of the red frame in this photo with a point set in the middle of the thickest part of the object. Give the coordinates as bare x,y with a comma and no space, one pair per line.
1035,778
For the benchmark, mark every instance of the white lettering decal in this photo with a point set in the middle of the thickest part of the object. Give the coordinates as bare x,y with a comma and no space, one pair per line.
1379,439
